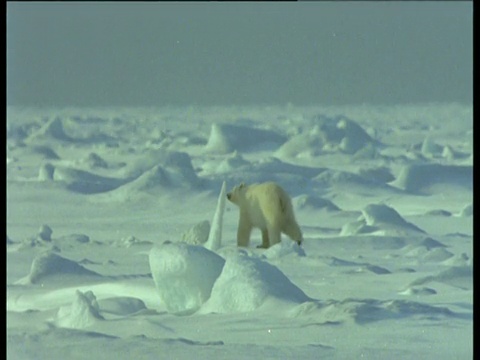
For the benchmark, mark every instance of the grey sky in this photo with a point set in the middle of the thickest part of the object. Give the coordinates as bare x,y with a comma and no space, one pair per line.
154,53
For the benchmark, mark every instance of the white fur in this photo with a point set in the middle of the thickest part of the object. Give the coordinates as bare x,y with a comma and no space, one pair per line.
267,207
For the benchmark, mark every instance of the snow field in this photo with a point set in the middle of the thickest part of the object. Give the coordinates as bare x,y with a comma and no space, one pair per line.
119,236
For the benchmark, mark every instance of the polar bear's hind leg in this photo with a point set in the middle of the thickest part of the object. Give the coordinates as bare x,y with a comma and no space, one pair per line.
274,235
265,240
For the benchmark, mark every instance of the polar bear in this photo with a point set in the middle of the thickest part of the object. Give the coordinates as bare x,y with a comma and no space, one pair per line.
268,207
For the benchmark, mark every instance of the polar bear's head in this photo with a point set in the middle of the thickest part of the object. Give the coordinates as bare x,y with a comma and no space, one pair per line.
237,193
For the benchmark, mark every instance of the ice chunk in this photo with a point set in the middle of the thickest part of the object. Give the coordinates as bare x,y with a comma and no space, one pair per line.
430,148
45,173
184,275
284,248
467,210
81,314
215,236
198,234
45,233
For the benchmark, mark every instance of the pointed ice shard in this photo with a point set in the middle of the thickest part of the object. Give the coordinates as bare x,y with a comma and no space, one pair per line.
215,236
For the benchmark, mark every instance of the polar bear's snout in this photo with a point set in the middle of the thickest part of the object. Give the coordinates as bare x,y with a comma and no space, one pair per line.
229,195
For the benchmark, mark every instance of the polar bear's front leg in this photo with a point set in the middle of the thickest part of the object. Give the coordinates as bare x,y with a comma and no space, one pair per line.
244,231
265,240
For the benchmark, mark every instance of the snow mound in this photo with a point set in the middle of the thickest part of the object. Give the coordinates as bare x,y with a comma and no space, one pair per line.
172,170
83,312
368,152
337,134
439,212
270,169
156,177
423,291
122,306
198,234
339,181
424,253
184,275
272,165
52,130
377,174
430,243
284,248
247,284
358,267
330,177
45,173
45,233
48,265
430,148
16,132
312,202
302,145
129,241
41,152
458,260
450,154
376,214
74,239
437,255
232,163
80,181
94,161
55,129
227,138
149,158
467,210
380,218
421,178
